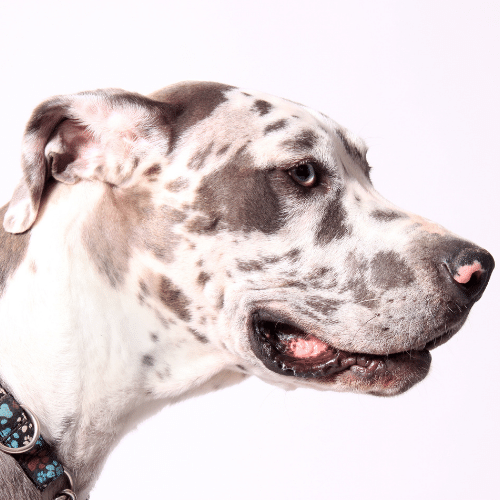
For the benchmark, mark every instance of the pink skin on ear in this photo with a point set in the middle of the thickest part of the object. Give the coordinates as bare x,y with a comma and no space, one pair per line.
464,273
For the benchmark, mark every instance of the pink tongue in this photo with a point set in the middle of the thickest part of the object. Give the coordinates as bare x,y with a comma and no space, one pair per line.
306,348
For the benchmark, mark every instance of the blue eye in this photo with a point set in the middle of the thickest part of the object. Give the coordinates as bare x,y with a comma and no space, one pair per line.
304,174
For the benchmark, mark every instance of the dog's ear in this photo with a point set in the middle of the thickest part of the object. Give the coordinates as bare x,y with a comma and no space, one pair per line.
92,135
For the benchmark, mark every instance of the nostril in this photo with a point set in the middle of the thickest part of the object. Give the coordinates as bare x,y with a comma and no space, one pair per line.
469,275
470,271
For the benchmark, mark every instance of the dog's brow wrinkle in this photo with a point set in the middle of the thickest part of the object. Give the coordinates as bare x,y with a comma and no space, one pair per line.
262,107
389,270
173,298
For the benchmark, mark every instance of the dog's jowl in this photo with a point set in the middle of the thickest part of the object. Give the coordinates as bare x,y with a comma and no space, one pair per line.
164,246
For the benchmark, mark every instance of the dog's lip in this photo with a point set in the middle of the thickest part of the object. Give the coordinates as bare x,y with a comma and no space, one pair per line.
329,361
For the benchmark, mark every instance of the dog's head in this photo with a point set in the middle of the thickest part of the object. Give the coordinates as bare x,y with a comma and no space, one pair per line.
255,227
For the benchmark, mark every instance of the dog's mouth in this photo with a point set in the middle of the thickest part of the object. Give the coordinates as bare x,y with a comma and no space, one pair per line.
286,349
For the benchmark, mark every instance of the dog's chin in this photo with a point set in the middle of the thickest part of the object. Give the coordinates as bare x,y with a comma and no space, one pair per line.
286,349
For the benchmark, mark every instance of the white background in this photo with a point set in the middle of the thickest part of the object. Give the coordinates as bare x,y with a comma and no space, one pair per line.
419,80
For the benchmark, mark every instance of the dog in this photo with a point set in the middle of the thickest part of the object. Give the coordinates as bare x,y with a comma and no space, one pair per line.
163,246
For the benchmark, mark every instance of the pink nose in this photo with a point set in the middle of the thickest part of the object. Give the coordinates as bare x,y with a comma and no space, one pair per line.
465,273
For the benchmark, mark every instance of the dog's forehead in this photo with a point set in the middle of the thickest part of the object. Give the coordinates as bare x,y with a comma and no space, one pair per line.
271,128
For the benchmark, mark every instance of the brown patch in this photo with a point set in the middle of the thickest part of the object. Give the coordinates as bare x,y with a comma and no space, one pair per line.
33,268
13,248
177,185
173,298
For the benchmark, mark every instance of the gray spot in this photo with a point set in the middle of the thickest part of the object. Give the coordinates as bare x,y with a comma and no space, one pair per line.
202,279
153,171
187,103
357,268
262,107
389,270
197,162
302,142
239,197
353,151
333,224
322,305
154,337
386,215
250,265
148,360
223,149
277,125
173,298
177,185
198,336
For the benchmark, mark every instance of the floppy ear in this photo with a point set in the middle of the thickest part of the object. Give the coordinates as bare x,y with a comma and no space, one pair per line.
92,135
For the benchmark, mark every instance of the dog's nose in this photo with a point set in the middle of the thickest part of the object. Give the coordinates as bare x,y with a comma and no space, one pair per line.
467,271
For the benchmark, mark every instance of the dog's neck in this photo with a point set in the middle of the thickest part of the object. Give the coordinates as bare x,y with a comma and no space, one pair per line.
88,358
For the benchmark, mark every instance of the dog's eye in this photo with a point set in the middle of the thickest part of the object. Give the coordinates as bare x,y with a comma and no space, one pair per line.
304,174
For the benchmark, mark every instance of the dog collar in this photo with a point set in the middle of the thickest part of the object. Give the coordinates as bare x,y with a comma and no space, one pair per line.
20,437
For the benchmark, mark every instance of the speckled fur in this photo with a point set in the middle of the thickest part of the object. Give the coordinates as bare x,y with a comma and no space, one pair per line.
169,220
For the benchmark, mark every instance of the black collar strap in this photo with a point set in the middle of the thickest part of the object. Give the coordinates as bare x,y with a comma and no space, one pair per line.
20,437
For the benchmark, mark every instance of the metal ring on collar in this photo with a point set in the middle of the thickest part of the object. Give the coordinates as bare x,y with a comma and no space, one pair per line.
70,479
31,444
69,494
